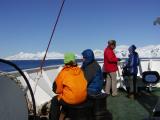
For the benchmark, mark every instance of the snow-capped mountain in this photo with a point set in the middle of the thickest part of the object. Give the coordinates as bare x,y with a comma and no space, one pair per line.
149,51
121,51
98,53
35,56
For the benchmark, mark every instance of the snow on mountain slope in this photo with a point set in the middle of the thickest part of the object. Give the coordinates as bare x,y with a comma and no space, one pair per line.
98,53
149,51
121,51
36,56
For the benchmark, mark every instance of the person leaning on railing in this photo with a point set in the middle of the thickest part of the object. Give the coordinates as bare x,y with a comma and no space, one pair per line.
70,86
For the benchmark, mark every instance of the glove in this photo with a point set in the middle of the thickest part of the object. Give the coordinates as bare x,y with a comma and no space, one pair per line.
119,59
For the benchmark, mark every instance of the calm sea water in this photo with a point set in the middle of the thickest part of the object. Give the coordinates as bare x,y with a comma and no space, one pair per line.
28,64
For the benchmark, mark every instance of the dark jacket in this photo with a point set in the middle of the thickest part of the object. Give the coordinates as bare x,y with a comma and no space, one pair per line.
110,60
133,61
92,72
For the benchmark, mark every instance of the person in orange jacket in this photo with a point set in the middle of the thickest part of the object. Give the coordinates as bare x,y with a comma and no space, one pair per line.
70,86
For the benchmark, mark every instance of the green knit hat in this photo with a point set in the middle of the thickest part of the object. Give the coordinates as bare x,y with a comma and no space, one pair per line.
68,57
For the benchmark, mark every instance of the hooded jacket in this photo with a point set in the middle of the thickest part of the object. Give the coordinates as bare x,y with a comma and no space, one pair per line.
71,85
133,61
92,72
110,60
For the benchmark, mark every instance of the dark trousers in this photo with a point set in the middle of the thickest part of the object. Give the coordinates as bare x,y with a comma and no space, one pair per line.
131,84
134,84
55,109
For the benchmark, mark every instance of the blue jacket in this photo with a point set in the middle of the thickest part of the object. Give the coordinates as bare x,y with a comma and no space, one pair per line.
133,61
92,72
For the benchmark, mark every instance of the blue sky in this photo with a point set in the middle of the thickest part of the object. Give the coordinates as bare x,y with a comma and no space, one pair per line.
26,25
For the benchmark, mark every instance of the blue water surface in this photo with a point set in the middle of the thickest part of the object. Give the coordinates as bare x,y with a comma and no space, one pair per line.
29,64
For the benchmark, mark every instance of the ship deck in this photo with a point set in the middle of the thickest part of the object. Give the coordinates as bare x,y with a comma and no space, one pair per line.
121,107
124,108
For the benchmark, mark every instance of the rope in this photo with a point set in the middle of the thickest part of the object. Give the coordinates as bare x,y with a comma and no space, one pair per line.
54,28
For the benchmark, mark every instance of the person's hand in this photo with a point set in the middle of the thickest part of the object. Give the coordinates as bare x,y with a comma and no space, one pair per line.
119,59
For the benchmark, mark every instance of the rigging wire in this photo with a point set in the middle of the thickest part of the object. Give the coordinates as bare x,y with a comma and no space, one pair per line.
53,31
50,40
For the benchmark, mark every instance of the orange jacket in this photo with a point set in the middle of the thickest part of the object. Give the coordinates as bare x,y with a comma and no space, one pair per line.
71,85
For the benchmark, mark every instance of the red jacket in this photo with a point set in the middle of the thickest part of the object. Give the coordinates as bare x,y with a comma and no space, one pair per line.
110,60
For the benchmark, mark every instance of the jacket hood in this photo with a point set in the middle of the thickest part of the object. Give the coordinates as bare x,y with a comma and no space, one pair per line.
132,48
88,55
75,70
